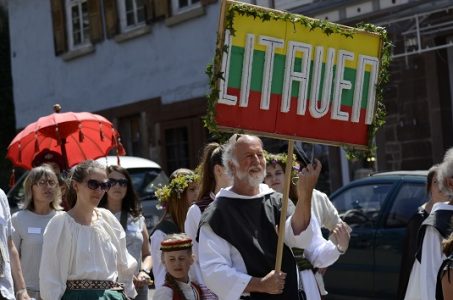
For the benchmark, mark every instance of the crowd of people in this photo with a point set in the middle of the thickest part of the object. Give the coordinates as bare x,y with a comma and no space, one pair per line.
86,238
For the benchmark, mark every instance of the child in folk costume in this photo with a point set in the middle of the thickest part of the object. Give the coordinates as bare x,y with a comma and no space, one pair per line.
176,197
177,258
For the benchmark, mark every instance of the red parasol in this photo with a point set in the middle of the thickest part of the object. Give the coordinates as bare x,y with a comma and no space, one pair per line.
76,136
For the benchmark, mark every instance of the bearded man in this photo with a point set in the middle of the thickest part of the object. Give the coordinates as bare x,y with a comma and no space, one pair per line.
238,236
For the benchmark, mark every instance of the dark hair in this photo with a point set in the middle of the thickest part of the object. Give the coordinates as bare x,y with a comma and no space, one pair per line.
78,173
431,174
212,156
280,159
130,202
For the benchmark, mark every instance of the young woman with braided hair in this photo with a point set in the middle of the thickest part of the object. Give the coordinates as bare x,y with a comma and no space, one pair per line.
177,258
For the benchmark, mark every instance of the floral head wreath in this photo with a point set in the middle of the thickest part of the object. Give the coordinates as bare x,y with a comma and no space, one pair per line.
281,159
175,188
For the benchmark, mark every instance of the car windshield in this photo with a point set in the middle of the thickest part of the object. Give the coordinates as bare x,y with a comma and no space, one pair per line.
145,180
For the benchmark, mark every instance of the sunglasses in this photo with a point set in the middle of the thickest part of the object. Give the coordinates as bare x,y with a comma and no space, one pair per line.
120,182
94,185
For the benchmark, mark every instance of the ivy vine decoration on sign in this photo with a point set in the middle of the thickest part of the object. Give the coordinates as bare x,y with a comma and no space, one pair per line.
242,9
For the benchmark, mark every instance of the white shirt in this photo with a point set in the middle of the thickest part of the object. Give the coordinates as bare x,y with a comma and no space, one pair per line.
191,227
28,236
223,268
159,270
72,251
166,293
6,230
423,278
324,210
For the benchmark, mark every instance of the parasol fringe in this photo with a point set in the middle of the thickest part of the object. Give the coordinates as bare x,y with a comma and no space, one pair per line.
36,144
57,133
19,155
101,133
81,135
12,178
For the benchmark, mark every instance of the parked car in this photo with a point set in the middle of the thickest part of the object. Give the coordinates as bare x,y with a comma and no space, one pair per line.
378,209
146,176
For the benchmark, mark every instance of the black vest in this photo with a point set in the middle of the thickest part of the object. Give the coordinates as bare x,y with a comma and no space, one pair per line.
249,225
442,221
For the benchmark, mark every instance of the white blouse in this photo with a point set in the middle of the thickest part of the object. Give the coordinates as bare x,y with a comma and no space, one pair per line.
72,251
166,293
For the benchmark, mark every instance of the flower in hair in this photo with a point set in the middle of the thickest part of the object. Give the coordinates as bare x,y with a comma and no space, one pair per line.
175,188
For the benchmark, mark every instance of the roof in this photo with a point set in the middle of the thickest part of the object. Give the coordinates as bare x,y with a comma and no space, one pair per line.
129,162
403,173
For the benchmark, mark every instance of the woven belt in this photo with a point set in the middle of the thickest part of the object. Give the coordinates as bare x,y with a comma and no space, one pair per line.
302,263
92,285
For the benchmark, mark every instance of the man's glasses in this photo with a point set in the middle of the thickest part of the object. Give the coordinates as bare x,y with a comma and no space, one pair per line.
46,182
120,182
94,185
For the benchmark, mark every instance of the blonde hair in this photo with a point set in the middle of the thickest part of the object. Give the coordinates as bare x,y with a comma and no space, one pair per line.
36,174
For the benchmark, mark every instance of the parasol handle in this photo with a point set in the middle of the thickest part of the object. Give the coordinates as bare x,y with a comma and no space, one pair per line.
281,226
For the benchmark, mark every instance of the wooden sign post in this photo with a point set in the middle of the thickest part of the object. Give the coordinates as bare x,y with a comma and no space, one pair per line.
291,77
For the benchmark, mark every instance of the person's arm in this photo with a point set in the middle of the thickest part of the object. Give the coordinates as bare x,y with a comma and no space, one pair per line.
447,284
192,220
55,259
430,262
143,277
308,178
156,255
16,271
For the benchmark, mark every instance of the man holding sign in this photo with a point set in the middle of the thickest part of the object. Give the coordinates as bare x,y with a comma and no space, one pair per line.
238,236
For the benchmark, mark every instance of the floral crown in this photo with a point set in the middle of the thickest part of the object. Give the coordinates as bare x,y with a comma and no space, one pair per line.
281,159
176,187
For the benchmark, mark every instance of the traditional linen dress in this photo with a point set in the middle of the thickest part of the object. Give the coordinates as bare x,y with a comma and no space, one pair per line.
72,251
327,216
191,228
134,243
225,270
423,278
28,237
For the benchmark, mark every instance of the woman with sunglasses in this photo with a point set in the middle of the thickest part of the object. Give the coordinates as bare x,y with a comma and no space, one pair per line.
42,199
84,251
123,202
176,198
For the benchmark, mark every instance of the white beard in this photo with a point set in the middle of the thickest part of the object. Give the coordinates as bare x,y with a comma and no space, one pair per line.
253,180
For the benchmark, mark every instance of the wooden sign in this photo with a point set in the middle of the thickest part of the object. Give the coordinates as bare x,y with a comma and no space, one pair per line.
289,76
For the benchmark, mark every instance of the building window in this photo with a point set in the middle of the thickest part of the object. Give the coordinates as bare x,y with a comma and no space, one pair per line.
132,14
177,148
129,128
78,23
181,6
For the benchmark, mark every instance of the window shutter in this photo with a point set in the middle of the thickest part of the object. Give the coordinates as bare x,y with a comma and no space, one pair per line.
94,16
111,18
149,10
161,9
59,26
